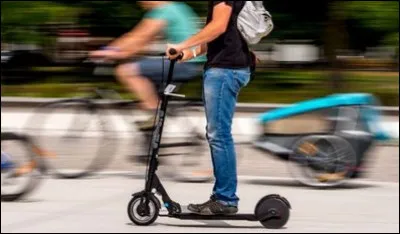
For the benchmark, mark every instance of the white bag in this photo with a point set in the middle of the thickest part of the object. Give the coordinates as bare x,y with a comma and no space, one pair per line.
254,22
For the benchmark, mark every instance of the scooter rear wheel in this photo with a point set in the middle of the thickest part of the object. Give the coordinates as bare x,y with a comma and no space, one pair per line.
273,211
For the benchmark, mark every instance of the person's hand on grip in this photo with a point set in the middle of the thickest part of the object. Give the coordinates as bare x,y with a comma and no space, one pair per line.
186,56
176,49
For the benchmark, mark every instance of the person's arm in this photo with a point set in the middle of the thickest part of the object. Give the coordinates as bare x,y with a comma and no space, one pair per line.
218,25
134,41
141,36
189,54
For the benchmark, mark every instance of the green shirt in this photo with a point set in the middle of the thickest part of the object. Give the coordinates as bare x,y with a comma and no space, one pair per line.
182,23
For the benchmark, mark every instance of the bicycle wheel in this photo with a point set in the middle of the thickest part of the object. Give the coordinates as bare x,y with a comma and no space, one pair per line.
184,155
20,172
194,164
322,160
185,132
76,134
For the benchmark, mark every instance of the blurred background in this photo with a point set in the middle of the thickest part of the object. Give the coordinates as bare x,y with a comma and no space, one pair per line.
316,48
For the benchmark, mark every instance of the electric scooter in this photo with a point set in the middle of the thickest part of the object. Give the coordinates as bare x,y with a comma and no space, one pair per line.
272,211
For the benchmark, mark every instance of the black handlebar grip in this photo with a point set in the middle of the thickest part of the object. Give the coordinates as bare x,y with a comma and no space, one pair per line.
172,51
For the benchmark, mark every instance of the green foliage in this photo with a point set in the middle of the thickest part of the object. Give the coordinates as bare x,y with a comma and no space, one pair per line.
20,19
369,23
36,12
379,18
110,17
269,86
378,15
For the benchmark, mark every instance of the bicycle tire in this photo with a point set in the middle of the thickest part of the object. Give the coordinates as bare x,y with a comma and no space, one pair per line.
310,169
182,149
103,152
34,178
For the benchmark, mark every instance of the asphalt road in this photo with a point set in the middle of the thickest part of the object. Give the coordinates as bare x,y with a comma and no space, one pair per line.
98,203
100,206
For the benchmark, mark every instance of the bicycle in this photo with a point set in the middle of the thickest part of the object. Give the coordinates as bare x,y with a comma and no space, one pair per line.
88,113
21,166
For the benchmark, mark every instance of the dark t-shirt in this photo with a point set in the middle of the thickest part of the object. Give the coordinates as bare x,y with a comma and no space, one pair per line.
229,50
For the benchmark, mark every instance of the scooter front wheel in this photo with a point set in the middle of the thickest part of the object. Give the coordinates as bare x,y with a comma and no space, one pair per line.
273,211
142,214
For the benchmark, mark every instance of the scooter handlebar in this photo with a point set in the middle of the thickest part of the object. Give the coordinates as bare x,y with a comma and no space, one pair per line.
173,51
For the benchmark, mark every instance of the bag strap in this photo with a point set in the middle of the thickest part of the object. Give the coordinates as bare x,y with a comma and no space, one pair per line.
259,5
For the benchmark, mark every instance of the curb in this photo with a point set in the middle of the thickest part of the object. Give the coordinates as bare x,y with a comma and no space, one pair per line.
28,102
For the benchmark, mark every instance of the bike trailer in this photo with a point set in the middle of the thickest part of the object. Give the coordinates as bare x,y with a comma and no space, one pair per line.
352,116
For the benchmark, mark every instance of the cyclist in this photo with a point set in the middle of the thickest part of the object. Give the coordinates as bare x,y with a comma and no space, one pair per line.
178,22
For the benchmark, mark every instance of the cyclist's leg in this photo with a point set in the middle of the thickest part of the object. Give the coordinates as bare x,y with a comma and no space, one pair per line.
130,76
140,78
156,69
137,77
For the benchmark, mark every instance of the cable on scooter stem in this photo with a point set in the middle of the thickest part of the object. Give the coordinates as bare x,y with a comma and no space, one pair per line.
171,51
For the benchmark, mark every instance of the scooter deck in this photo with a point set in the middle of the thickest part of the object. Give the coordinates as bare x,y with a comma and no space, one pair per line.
187,215
192,216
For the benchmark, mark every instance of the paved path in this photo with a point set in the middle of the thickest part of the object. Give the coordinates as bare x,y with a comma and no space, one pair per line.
98,205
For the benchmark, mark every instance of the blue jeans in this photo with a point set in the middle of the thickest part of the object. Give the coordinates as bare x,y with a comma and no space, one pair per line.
220,91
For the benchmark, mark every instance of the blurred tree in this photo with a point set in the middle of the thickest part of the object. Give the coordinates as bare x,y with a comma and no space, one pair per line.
357,25
368,23
110,18
107,18
335,39
119,16
361,24
20,19
372,23
297,19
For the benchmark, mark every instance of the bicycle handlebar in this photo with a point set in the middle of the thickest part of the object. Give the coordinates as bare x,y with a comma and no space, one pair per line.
102,61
